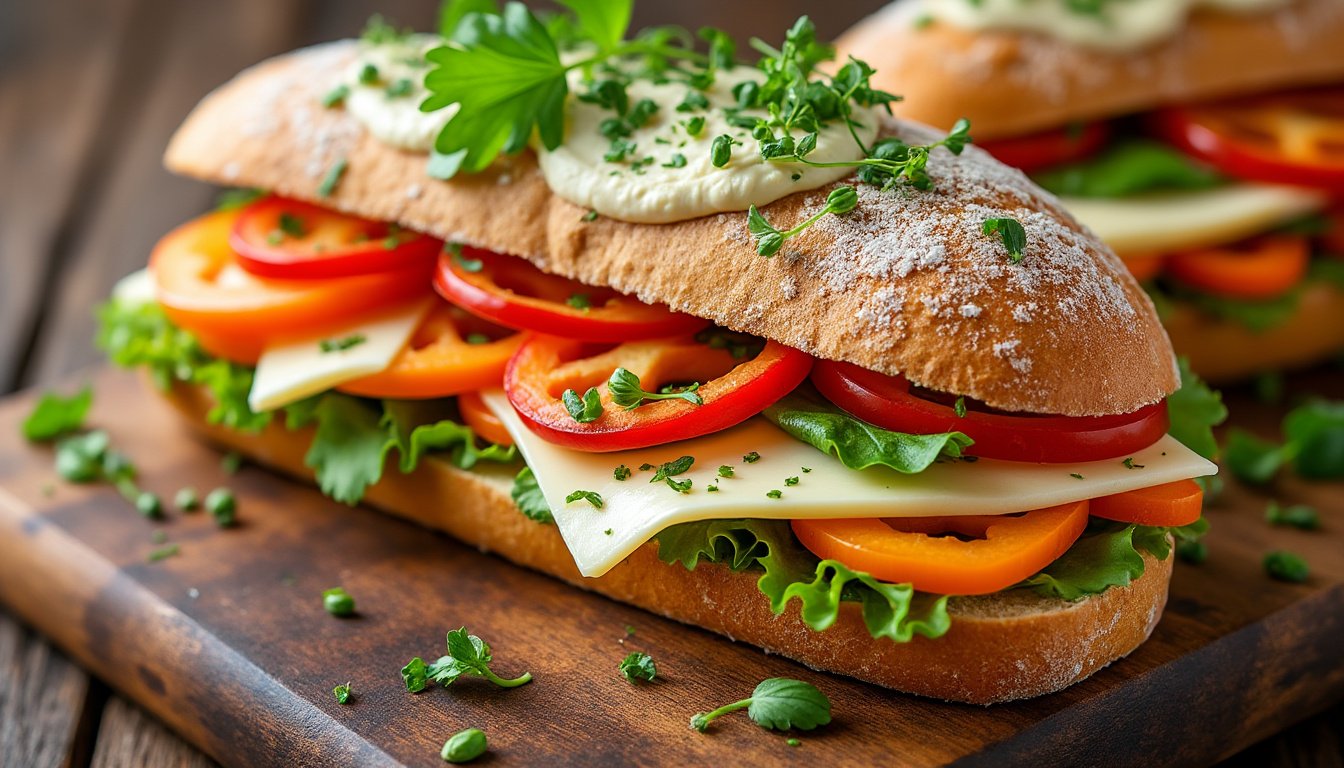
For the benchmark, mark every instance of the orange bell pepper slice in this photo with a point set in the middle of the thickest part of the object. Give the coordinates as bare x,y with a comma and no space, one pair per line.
1168,505
1262,268
1002,550
482,420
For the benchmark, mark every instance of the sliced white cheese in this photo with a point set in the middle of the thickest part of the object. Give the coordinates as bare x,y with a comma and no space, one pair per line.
1161,223
292,371
634,510
135,289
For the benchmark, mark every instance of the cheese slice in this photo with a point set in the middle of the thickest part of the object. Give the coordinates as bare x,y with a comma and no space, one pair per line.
1161,223
634,510
292,371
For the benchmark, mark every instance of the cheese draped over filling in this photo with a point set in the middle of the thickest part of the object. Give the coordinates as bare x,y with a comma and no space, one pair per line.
669,175
1116,24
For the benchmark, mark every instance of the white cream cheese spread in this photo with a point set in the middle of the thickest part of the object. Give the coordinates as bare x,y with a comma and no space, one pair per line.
386,84
1111,24
669,175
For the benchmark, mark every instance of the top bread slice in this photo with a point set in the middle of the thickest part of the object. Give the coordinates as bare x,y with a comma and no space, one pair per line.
907,283
1011,83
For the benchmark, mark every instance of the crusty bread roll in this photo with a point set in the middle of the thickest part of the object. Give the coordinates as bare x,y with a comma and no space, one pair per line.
1014,83
907,283
1001,647
1221,350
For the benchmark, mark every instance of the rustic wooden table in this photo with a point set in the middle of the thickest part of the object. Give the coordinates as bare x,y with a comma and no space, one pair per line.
90,91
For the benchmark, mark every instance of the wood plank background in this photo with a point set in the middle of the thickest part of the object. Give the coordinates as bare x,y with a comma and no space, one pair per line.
90,90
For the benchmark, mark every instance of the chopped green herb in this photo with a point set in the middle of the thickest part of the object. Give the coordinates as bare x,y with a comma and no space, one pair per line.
222,506
589,216
1286,566
163,553
368,75
149,505
779,704
582,409
399,88
467,655
1011,232
725,470
342,693
806,469
328,346
1075,476
592,497
791,481
638,666
1298,516
769,240
752,458
626,391
667,471
338,602
333,178
55,416
477,338
1129,464
579,301
712,488
694,101
621,472
677,160
230,462
774,494
607,532
694,126
464,746
959,407
336,96
721,150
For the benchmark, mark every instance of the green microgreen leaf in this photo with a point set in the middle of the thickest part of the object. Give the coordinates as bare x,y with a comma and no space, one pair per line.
626,391
592,497
638,666
584,409
1011,232
778,704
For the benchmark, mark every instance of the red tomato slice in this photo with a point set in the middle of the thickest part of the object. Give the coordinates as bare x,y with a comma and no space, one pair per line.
732,390
477,415
286,239
1043,150
512,292
450,353
1003,550
888,402
234,313
1168,505
1144,267
1288,138
1262,268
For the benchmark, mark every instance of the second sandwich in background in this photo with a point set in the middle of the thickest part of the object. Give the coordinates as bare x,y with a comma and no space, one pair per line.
1203,141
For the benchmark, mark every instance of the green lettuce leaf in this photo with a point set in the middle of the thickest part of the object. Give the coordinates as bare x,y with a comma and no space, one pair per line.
1108,554
1129,168
420,426
1195,410
527,495
859,445
790,572
349,447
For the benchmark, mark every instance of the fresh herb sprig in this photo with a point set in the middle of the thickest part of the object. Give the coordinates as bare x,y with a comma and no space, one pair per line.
770,239
467,655
778,703
627,392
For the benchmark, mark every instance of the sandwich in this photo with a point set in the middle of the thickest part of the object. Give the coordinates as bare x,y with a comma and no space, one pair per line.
729,343
1201,141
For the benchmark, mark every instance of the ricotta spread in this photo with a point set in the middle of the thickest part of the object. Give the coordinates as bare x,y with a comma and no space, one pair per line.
386,85
669,175
1117,24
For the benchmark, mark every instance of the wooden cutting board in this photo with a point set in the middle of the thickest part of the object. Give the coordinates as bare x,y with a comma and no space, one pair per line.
229,644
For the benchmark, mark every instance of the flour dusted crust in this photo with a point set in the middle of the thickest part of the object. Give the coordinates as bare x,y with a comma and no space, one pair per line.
1013,83
907,283
1003,647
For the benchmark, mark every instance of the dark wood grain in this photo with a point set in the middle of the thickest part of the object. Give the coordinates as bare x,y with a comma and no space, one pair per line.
1236,657
128,738
41,701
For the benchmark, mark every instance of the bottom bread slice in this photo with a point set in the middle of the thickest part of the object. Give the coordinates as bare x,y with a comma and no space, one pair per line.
1001,647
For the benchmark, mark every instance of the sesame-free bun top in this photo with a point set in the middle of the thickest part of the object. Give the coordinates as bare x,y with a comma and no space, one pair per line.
907,283
1010,83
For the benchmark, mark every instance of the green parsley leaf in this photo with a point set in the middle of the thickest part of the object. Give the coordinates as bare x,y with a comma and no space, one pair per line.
959,407
668,470
774,494
1012,233
445,166
777,703
467,655
584,409
769,240
452,12
506,74
327,346
415,675
751,458
342,693
857,444
592,497
621,472
1298,516
55,416
725,470
529,498
222,506
626,391
603,22
638,666
1286,566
